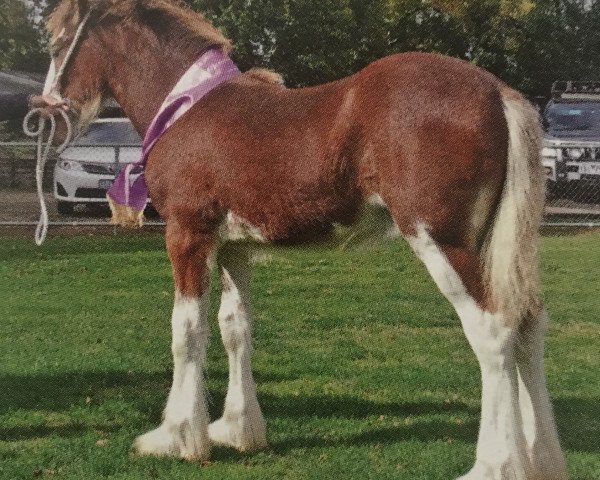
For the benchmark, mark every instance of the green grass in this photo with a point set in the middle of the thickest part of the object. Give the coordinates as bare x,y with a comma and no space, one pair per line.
363,369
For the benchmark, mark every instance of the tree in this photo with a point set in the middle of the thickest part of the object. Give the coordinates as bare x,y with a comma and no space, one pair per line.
21,42
308,41
315,42
253,26
371,35
421,26
527,43
590,42
556,42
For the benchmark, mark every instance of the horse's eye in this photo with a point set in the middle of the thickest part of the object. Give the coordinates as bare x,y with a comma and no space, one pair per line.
57,46
54,50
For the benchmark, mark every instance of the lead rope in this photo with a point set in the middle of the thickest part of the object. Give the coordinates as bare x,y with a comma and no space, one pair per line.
43,151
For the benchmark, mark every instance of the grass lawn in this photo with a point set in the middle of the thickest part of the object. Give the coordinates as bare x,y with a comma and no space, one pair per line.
363,369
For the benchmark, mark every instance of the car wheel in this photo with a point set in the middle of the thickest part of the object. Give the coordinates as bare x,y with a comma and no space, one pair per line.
65,208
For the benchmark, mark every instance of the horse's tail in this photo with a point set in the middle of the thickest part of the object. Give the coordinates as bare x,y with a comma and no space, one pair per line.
511,249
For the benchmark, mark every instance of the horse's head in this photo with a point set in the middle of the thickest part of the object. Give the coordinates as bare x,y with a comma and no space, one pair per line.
100,46
77,71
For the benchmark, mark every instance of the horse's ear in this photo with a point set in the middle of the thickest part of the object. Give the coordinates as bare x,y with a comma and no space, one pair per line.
83,6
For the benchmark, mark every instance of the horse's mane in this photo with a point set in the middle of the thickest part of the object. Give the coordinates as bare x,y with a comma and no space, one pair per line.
174,23
266,76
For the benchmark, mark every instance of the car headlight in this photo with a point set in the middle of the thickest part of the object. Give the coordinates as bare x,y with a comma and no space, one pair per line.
70,165
575,153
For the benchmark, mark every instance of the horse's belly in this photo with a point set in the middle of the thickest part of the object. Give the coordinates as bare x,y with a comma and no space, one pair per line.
372,222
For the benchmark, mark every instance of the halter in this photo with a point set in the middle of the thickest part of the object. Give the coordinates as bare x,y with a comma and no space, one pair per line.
44,150
68,55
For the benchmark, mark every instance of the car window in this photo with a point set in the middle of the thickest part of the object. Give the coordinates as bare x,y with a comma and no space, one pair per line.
110,133
581,116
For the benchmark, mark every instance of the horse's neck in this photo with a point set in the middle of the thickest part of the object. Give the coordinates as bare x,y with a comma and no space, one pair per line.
142,82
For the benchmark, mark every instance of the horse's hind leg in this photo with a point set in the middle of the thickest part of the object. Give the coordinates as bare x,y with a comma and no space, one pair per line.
501,447
184,430
242,425
536,410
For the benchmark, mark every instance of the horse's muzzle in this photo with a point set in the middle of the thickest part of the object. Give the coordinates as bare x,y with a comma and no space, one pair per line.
49,105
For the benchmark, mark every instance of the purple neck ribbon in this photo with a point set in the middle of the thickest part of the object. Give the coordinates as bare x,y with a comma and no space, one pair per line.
127,198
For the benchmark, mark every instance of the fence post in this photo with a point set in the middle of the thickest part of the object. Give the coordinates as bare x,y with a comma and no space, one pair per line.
13,173
117,170
117,149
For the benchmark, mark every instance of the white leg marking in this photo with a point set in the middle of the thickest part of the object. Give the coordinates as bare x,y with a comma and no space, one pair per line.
184,430
501,449
234,228
242,425
541,436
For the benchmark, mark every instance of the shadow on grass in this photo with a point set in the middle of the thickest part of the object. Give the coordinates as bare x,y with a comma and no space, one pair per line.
578,422
426,431
146,392
41,431
17,249
60,392
422,431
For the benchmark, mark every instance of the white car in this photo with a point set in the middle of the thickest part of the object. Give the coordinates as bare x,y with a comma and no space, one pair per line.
87,168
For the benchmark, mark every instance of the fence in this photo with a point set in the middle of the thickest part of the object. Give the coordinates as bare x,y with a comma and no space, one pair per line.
75,189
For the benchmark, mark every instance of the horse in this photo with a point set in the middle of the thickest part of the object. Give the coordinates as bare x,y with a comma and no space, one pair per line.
446,150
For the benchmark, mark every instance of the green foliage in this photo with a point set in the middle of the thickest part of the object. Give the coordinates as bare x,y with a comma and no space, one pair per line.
558,41
527,43
371,35
420,26
308,41
21,41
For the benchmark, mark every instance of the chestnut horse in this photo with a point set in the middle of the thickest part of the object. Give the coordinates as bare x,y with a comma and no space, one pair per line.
448,151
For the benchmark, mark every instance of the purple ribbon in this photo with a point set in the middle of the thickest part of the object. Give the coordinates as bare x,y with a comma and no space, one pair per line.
213,68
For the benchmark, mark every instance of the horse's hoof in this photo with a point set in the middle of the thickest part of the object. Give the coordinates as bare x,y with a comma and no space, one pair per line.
242,435
158,442
478,472
503,471
165,442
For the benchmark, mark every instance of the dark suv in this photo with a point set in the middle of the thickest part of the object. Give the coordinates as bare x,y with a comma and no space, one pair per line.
571,153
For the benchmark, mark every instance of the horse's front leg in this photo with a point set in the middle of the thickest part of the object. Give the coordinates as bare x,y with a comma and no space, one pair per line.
242,425
184,430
